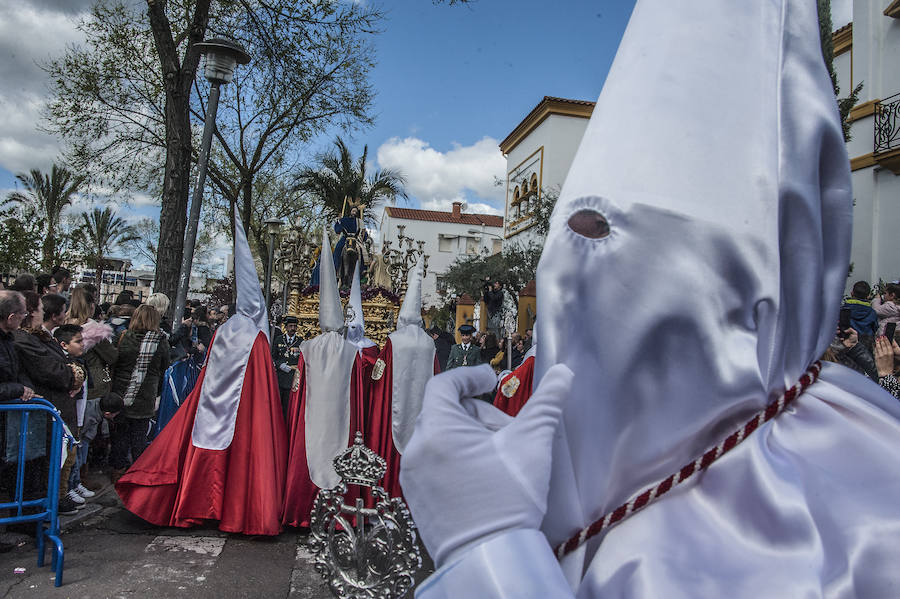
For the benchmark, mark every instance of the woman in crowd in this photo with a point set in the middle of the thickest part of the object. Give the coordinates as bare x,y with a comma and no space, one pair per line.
45,364
137,376
160,301
204,331
99,356
35,444
887,353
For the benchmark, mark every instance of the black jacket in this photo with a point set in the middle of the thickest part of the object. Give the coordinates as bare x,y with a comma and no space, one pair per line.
144,405
11,386
442,346
45,364
493,300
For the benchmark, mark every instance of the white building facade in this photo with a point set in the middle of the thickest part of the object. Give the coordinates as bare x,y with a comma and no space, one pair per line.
867,51
538,154
447,236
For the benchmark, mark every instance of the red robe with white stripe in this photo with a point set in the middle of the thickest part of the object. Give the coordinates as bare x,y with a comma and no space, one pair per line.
300,492
174,483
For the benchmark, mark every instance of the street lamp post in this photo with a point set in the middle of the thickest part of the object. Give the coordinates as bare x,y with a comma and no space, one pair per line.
273,225
222,57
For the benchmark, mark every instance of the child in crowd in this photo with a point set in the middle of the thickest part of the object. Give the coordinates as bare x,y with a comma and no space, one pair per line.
71,340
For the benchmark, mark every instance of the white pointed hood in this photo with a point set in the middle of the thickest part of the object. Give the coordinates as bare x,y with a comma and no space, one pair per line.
356,326
716,157
228,356
411,308
328,362
249,300
412,361
331,317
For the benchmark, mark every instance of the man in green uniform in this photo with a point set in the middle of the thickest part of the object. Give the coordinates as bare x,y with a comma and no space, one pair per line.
464,353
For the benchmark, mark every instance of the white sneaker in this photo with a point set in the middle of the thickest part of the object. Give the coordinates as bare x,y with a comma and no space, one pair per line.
75,497
84,491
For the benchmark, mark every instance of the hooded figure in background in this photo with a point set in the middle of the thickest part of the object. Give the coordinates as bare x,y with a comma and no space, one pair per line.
405,365
714,166
222,456
326,404
356,328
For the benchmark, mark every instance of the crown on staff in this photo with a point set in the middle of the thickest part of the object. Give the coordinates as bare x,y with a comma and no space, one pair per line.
359,465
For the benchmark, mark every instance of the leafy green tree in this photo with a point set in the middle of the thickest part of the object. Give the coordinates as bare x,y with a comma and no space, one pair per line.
20,238
122,103
99,234
146,234
45,197
336,175
515,266
845,105
131,99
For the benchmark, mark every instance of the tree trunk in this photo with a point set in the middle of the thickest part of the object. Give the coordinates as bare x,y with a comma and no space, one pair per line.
177,77
47,251
246,203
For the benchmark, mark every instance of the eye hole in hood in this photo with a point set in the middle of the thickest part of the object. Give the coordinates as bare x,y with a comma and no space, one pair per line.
589,223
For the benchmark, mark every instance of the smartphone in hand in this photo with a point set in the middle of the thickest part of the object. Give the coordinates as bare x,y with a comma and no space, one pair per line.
843,322
889,330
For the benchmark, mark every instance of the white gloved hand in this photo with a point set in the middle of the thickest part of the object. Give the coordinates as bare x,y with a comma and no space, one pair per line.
470,471
283,367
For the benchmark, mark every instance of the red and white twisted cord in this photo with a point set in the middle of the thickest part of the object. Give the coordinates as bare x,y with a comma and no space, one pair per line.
641,500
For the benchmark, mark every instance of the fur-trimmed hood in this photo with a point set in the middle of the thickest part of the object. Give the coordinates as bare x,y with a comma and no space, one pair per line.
94,332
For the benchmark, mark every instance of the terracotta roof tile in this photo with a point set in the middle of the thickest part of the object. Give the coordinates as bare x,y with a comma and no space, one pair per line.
466,218
842,29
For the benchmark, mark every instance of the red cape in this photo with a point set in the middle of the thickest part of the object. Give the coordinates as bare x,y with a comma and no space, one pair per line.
174,483
300,492
369,355
379,431
516,398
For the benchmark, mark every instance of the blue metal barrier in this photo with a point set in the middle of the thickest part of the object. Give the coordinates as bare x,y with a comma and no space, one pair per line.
43,510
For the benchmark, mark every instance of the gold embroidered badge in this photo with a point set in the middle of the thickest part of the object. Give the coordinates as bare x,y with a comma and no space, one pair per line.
508,389
378,369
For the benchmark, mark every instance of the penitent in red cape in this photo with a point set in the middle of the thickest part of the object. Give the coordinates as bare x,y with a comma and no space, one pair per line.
515,388
222,456
300,492
174,483
380,416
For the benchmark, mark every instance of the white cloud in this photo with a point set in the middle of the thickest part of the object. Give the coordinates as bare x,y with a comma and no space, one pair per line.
438,178
447,206
841,12
29,36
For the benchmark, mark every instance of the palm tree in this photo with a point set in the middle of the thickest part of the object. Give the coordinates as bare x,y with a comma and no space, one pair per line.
338,175
45,197
99,232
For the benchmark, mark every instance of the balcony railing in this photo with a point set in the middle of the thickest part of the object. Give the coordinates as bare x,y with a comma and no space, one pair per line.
887,124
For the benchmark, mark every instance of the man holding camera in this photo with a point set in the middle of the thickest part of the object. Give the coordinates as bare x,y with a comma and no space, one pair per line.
492,293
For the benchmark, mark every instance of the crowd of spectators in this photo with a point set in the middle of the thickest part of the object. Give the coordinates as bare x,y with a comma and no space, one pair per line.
101,365
866,337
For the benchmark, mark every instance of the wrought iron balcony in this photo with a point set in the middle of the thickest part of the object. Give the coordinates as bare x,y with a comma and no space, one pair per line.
887,133
887,124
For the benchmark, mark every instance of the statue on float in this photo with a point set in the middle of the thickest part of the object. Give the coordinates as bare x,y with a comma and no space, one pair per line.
351,247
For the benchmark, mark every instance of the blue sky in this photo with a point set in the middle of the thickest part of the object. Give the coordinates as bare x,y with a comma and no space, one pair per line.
451,82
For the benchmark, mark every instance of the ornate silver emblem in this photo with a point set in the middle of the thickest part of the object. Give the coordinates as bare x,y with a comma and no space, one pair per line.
363,552
510,386
378,369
